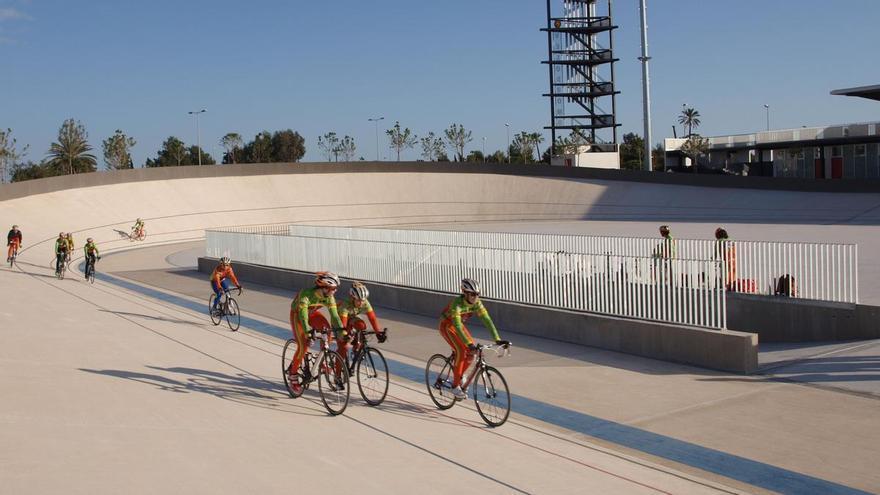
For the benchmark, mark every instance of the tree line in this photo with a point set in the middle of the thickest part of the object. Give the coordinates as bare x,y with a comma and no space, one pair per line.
71,152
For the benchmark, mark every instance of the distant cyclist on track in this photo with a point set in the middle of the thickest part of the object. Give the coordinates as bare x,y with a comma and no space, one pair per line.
304,315
13,241
90,251
220,278
452,328
61,251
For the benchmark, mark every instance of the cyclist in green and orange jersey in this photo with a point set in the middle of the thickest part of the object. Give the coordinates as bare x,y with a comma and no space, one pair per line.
304,315
91,254
452,328
349,313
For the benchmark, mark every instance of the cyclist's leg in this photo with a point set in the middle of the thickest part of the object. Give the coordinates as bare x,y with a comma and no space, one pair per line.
447,330
218,292
299,334
355,324
59,259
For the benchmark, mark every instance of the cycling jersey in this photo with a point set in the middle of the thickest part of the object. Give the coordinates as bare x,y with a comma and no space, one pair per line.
349,309
222,272
61,245
458,311
90,249
69,240
309,300
13,235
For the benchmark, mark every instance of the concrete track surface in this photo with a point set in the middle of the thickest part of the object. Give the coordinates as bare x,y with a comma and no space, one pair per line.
125,386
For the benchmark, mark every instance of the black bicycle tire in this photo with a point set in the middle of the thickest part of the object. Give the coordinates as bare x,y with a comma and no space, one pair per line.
431,390
324,377
284,366
489,370
233,313
219,318
366,356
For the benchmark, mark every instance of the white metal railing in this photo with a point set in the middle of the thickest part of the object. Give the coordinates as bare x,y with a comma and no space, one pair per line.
820,271
683,291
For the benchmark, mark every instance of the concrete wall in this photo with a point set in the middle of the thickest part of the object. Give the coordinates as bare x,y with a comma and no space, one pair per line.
727,351
782,319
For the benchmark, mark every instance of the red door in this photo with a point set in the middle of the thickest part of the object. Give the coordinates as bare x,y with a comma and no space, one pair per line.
837,167
820,168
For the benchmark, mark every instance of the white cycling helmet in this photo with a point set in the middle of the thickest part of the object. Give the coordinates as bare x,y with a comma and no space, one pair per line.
470,285
359,291
225,260
90,240
326,279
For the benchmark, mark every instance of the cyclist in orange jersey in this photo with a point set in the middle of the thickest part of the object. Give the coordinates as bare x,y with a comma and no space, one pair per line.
220,280
452,328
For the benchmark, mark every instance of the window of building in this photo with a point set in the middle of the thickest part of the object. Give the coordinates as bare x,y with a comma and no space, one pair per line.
860,150
817,153
836,151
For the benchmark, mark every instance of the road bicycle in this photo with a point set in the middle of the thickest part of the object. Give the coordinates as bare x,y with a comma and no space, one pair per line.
90,268
62,270
490,391
326,367
137,235
368,366
227,308
14,255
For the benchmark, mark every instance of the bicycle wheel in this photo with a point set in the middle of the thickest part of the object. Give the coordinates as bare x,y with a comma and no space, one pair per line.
91,275
333,385
63,270
233,316
492,396
286,360
372,376
216,318
142,235
438,378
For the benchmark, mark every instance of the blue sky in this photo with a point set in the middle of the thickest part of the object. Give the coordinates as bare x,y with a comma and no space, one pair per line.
328,66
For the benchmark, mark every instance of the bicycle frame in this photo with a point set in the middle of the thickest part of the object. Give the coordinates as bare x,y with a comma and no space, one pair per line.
360,336
475,368
316,362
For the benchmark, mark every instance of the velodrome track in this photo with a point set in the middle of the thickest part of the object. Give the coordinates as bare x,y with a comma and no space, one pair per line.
125,385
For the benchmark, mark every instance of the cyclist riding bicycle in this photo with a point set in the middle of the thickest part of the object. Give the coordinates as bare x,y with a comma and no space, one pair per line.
452,328
90,251
304,314
61,252
220,280
138,228
13,240
69,238
349,313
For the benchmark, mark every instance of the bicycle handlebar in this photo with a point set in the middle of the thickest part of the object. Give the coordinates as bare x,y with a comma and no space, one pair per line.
500,350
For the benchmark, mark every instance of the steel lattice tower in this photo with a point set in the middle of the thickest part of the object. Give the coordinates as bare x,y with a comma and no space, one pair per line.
581,62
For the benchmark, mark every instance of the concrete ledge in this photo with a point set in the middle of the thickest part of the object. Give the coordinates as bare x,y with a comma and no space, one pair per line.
782,319
721,350
64,182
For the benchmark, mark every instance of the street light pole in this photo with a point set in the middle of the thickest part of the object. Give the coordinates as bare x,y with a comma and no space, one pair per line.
508,142
767,108
376,121
646,85
198,133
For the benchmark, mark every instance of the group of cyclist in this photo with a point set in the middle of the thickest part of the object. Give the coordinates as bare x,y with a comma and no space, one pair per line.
346,318
64,247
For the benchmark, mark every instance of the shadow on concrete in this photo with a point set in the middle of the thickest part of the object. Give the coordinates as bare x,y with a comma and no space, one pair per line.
240,388
154,318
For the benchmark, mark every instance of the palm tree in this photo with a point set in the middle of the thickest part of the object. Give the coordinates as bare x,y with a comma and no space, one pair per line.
691,118
71,153
536,138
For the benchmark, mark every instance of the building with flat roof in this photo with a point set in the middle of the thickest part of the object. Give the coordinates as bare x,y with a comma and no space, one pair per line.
831,152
